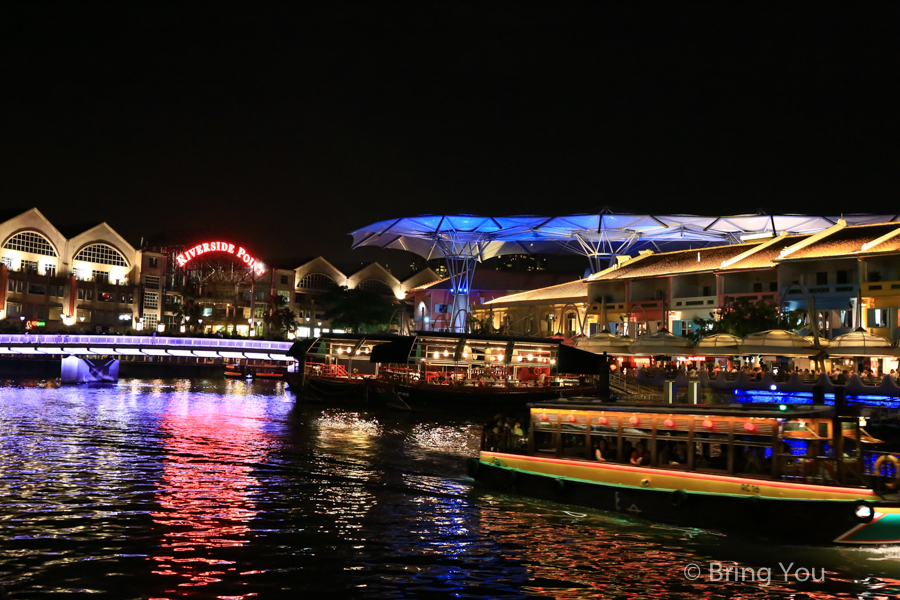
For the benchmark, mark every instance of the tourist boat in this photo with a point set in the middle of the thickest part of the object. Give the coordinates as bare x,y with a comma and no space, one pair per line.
798,474
443,370
334,367
239,371
455,370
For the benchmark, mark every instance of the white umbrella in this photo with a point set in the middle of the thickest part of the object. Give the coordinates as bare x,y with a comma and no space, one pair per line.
861,343
719,344
777,342
661,343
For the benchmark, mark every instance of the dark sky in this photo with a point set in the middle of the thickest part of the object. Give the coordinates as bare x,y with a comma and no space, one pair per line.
288,126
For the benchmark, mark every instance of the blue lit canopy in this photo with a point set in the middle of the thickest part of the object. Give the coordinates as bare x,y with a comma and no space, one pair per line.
464,240
601,234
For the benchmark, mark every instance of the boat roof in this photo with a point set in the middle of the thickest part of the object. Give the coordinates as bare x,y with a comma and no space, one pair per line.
767,411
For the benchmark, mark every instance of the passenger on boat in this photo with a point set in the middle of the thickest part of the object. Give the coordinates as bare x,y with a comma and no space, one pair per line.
517,430
602,452
640,456
680,454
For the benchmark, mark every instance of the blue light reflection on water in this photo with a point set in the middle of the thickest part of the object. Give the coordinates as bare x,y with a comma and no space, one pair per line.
167,489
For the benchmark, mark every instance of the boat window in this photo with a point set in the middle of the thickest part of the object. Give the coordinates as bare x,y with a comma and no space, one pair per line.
544,427
710,455
806,429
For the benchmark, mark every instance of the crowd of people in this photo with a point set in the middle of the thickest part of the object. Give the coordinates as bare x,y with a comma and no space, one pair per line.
756,373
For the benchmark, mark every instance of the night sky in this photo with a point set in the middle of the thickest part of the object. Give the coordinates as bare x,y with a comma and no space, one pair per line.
287,127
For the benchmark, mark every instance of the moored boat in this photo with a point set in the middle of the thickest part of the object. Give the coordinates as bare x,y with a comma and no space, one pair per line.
802,474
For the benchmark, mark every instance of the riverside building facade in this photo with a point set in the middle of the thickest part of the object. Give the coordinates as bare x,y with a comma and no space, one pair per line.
92,280
845,276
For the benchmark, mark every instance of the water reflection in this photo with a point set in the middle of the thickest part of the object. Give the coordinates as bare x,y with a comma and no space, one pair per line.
222,489
211,446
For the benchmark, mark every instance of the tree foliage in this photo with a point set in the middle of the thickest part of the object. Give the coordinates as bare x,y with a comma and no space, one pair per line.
280,319
358,311
742,317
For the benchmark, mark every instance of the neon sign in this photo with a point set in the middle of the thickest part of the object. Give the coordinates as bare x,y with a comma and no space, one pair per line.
238,252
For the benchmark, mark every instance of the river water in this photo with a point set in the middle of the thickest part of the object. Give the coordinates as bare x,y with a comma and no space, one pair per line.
227,489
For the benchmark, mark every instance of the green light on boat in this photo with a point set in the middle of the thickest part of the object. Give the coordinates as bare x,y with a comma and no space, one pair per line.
782,407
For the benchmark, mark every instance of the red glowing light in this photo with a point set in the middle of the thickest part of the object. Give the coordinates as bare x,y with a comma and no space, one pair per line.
669,423
634,421
602,420
749,426
544,417
708,424
571,418
192,253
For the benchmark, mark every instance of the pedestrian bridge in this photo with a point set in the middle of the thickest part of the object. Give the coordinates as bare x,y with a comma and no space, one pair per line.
123,345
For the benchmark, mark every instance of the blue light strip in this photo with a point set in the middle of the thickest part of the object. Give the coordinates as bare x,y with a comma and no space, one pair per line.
768,397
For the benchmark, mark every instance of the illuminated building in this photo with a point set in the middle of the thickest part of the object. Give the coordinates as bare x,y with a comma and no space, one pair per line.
849,273
91,279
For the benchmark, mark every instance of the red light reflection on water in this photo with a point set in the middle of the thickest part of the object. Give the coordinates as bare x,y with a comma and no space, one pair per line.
206,491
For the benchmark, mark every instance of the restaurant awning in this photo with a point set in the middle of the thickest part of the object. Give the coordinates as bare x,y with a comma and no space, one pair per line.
301,347
575,361
394,352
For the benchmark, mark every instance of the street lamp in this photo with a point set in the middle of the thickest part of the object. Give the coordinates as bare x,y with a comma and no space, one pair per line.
252,329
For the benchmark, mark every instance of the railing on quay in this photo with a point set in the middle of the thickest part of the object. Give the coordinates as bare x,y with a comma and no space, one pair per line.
141,340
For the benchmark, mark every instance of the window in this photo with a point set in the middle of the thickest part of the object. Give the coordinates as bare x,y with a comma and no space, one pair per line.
207,311
317,281
259,312
151,300
773,286
152,282
707,290
81,274
686,328
822,278
81,293
6,260
29,266
11,285
103,254
284,294
153,262
757,287
13,309
100,276
378,287
284,279
150,321
843,276
50,270
29,241
260,294
880,318
36,288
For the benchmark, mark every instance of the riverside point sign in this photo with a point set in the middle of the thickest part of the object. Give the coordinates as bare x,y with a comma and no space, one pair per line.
239,253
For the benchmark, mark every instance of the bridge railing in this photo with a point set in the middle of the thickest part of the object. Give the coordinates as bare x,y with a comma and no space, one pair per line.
143,340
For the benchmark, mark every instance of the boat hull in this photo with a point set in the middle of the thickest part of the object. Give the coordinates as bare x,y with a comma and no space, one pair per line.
451,396
804,514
